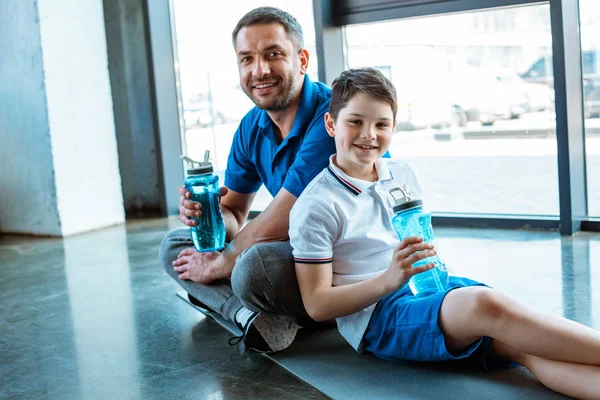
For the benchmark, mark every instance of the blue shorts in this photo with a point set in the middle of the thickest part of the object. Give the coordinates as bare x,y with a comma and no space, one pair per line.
405,328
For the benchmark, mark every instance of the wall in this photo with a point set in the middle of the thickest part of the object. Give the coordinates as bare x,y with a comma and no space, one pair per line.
56,110
27,190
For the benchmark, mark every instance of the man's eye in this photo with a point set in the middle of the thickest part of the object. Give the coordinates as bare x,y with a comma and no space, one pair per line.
244,60
274,54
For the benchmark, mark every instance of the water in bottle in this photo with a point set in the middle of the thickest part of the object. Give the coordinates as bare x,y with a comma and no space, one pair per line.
411,219
209,232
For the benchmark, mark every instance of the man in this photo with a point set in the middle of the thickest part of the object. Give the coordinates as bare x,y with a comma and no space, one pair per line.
281,143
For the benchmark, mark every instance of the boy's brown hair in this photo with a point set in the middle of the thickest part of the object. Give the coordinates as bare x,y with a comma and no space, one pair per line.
366,80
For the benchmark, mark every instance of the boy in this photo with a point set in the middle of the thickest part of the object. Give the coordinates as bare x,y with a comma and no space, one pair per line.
351,267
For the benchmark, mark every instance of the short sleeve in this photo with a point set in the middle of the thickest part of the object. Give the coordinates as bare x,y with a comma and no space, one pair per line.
313,231
312,157
241,174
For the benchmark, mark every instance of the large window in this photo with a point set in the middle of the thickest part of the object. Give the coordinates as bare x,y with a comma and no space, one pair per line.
475,105
212,100
589,15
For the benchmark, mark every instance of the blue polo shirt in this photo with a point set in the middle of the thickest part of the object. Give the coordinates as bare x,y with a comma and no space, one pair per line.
256,158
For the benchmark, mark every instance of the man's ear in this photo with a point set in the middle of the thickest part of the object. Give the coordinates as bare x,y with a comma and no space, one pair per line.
330,124
304,57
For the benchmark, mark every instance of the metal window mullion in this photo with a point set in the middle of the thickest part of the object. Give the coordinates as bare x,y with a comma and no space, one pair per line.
165,98
568,93
330,42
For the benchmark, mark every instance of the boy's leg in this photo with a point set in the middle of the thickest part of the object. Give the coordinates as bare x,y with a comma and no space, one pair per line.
218,296
469,313
581,381
264,278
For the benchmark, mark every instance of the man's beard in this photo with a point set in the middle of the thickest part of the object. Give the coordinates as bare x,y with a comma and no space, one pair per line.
281,102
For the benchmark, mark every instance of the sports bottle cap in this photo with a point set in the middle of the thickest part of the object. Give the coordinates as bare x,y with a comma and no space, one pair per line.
403,199
203,167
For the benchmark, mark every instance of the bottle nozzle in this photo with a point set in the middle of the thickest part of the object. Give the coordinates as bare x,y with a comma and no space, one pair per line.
399,194
189,161
192,162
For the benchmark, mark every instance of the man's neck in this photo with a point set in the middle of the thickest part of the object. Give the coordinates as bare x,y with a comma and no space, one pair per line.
284,119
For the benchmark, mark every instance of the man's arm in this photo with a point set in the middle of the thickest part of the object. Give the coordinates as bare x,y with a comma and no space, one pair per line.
235,208
269,226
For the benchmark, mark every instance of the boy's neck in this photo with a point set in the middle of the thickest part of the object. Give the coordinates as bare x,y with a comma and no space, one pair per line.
366,173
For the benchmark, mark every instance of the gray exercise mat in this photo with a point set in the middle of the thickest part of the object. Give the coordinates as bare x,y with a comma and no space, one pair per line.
324,360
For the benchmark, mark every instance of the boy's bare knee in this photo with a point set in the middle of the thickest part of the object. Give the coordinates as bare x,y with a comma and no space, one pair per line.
488,304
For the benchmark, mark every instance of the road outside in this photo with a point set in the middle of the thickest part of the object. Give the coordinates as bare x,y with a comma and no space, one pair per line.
501,171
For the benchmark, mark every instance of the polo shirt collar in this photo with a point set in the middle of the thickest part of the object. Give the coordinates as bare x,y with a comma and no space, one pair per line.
304,114
357,186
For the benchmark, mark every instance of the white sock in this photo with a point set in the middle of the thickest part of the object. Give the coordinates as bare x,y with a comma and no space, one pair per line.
243,315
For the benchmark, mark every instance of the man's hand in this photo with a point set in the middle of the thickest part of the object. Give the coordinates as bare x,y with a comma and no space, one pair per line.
200,267
191,209
408,252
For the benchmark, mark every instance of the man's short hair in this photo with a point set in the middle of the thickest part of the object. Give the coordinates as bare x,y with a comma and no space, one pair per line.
366,80
272,15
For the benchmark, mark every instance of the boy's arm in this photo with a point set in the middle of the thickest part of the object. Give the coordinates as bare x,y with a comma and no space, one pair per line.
324,302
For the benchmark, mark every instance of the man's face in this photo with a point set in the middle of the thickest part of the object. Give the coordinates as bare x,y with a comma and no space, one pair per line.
271,68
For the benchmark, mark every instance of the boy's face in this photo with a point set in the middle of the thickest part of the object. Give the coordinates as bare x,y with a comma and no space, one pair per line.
363,132
271,68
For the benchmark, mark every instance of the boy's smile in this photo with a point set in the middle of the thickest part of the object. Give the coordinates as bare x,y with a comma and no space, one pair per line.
362,132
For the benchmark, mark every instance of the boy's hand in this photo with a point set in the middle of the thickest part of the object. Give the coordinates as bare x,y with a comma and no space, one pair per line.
191,209
408,252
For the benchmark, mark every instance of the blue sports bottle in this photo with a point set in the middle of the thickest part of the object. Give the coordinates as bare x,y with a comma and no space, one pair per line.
209,232
411,219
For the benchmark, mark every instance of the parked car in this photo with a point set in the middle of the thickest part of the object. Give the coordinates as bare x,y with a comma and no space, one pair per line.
423,100
477,94
528,97
542,71
436,90
592,99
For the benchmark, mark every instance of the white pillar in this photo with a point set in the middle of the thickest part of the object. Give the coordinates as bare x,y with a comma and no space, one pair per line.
59,170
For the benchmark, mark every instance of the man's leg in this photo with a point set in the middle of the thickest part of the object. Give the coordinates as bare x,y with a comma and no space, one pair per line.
264,279
217,296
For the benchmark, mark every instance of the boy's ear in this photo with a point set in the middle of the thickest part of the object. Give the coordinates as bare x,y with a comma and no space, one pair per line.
330,124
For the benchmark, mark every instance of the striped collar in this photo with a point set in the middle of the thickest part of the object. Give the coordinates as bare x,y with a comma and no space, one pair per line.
357,186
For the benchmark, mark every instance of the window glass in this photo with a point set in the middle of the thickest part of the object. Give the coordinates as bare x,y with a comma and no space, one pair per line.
212,101
475,105
589,15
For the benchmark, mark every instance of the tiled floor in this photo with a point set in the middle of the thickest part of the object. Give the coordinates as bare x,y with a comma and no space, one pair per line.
95,317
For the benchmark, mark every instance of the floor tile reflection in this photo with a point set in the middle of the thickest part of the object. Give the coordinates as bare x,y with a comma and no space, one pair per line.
95,316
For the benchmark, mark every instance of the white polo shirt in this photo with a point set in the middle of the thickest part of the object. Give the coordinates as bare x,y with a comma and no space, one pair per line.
347,221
